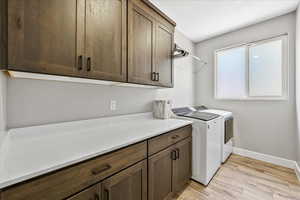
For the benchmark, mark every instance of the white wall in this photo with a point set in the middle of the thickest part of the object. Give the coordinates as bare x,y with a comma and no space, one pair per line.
298,80
3,87
34,102
263,126
183,92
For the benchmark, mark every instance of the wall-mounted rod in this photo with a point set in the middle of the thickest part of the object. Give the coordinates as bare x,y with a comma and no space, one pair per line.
180,52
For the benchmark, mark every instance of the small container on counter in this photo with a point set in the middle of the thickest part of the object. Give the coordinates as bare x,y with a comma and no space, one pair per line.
162,109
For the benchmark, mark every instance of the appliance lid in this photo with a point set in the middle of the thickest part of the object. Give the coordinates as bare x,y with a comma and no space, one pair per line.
199,108
195,113
183,111
204,116
219,112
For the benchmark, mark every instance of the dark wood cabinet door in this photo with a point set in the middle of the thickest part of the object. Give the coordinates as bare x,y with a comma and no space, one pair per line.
106,39
42,36
92,193
130,184
141,33
3,37
182,166
163,55
160,175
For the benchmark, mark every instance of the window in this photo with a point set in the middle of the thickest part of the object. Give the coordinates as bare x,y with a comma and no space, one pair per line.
257,70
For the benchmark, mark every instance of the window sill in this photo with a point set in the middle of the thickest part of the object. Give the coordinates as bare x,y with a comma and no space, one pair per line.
254,99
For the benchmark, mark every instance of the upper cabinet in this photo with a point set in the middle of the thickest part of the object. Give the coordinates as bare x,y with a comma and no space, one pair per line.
164,51
68,37
42,36
150,47
141,45
105,39
116,40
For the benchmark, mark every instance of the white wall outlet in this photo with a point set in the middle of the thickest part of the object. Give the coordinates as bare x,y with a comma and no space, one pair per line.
113,105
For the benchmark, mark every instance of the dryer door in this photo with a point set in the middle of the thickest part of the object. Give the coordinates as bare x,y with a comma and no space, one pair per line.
228,129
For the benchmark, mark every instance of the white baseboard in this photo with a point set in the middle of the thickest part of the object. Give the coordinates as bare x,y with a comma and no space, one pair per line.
267,158
297,170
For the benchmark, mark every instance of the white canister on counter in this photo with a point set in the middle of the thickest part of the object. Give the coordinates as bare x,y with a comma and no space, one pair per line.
162,109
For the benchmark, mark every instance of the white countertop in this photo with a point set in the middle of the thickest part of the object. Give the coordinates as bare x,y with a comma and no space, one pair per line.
29,152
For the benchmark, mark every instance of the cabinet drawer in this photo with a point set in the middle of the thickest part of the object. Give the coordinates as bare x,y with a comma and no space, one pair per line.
163,141
68,181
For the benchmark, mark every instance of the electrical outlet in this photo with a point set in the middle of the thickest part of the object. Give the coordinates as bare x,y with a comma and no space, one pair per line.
113,105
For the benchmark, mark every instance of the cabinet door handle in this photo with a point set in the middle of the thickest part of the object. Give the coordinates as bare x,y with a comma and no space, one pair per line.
19,23
153,75
157,76
173,155
97,197
89,64
101,169
106,194
177,153
80,62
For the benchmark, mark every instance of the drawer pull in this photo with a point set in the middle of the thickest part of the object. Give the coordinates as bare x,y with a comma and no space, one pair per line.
101,169
175,137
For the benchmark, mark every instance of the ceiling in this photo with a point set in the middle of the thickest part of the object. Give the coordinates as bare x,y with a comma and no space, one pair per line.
203,19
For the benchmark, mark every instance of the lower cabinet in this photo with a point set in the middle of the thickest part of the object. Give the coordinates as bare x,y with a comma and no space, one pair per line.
154,169
182,165
160,175
130,184
170,170
92,193
71,180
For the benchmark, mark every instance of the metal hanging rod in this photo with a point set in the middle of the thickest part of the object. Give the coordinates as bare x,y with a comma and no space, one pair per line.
180,52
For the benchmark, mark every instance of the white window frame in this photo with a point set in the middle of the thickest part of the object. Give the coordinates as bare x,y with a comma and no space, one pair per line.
285,68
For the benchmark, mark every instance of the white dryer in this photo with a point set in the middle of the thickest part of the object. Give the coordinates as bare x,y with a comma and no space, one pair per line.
227,131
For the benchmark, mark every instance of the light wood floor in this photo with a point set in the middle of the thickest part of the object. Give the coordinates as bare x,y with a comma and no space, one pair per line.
246,179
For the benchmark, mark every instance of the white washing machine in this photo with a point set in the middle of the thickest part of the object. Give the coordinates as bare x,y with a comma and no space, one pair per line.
227,131
207,128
